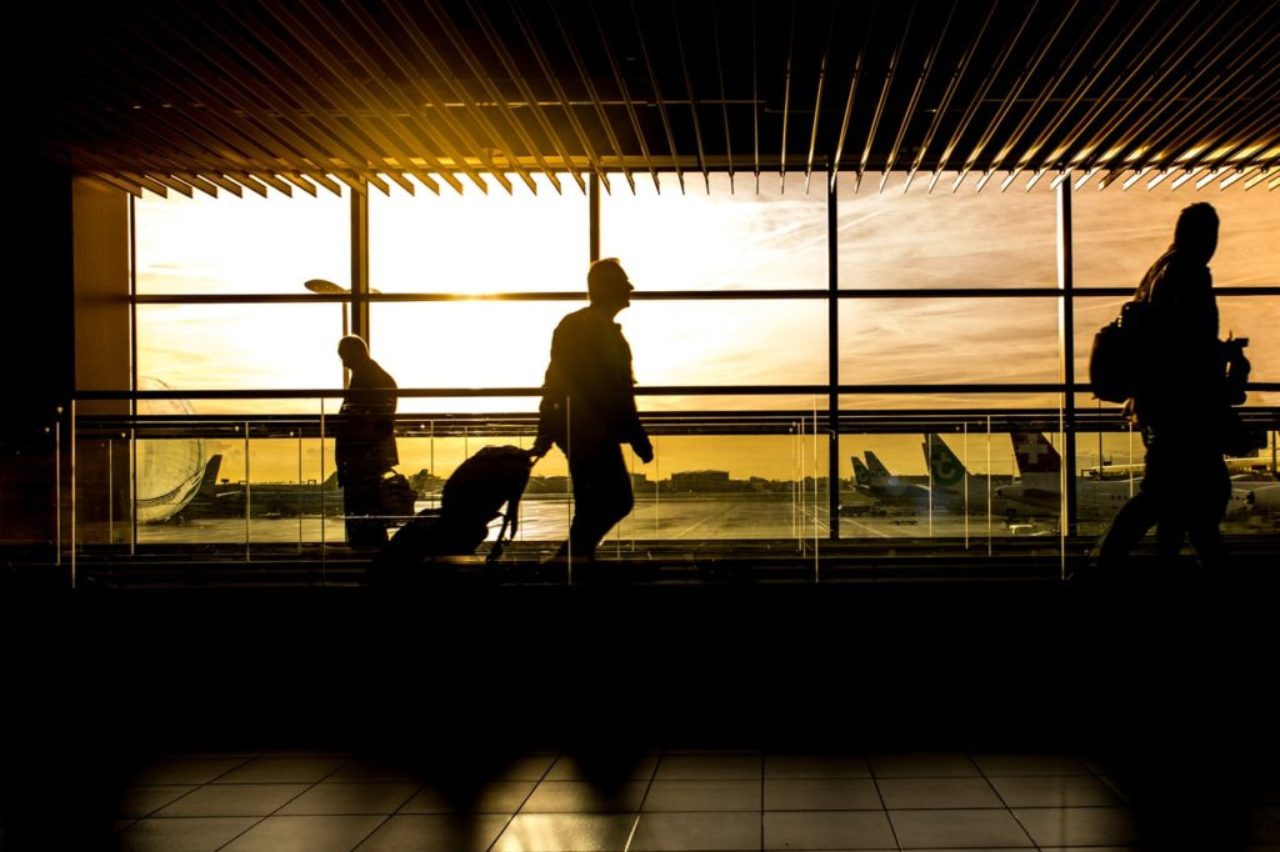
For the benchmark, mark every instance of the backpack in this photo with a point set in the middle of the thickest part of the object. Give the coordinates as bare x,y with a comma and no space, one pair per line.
1117,360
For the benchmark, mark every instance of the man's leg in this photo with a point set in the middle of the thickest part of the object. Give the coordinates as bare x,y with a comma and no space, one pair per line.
361,498
1206,510
601,496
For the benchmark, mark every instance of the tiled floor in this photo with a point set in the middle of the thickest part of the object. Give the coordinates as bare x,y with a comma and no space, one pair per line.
671,800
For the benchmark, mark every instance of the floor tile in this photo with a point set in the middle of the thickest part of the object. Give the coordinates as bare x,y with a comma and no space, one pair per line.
1029,764
184,771
1264,829
434,833
531,768
498,797
143,801
669,832
827,830
923,766
580,797
697,767
1077,826
1088,849
273,770
957,829
815,766
182,835
913,793
566,833
566,769
305,834
821,794
335,798
233,800
719,795
1060,791
364,770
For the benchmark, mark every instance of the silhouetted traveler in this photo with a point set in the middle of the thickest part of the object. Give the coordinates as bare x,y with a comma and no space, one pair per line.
1183,406
364,442
589,409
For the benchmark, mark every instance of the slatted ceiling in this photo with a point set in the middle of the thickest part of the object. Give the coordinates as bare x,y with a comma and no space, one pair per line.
203,97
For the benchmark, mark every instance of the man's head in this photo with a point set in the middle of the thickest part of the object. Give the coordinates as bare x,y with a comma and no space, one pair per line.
353,351
1196,234
607,284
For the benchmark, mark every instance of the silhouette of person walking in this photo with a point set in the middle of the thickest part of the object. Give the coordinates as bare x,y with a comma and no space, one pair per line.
364,442
588,409
1183,406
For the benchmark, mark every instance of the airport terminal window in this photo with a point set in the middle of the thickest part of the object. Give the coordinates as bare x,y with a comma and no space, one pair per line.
948,341
1118,233
940,239
249,245
477,242
727,239
723,241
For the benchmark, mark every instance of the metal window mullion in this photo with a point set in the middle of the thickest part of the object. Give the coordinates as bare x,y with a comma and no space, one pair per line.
833,364
359,265
1067,348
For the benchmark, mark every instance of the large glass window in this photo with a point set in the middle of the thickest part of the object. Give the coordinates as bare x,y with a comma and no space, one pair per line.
250,245
922,240
477,242
1118,234
728,238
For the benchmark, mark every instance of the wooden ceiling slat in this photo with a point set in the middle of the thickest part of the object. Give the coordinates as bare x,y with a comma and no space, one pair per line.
591,91
406,147
145,182
1079,49
116,182
420,88
724,101
629,103
544,65
894,61
657,93
693,101
283,122
1083,142
239,95
353,111
853,90
1160,95
817,99
958,131
921,80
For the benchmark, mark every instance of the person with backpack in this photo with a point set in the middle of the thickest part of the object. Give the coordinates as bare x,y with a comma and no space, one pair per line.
588,409
364,443
1181,402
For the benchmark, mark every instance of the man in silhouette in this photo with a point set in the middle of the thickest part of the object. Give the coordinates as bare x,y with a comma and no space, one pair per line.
589,409
364,442
1182,406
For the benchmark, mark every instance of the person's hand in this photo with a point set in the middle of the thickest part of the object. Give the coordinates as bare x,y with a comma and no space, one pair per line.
540,447
643,448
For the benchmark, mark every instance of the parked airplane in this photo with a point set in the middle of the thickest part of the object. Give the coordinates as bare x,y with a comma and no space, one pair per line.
1038,491
874,480
225,499
955,489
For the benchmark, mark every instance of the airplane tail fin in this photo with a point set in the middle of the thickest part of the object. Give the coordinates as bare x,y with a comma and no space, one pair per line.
877,468
944,466
861,475
210,479
1034,453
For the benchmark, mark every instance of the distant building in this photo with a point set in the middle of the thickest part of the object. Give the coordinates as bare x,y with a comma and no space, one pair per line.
700,480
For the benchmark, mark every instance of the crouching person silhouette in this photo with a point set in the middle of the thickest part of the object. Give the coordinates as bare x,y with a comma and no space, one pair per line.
364,443
589,410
